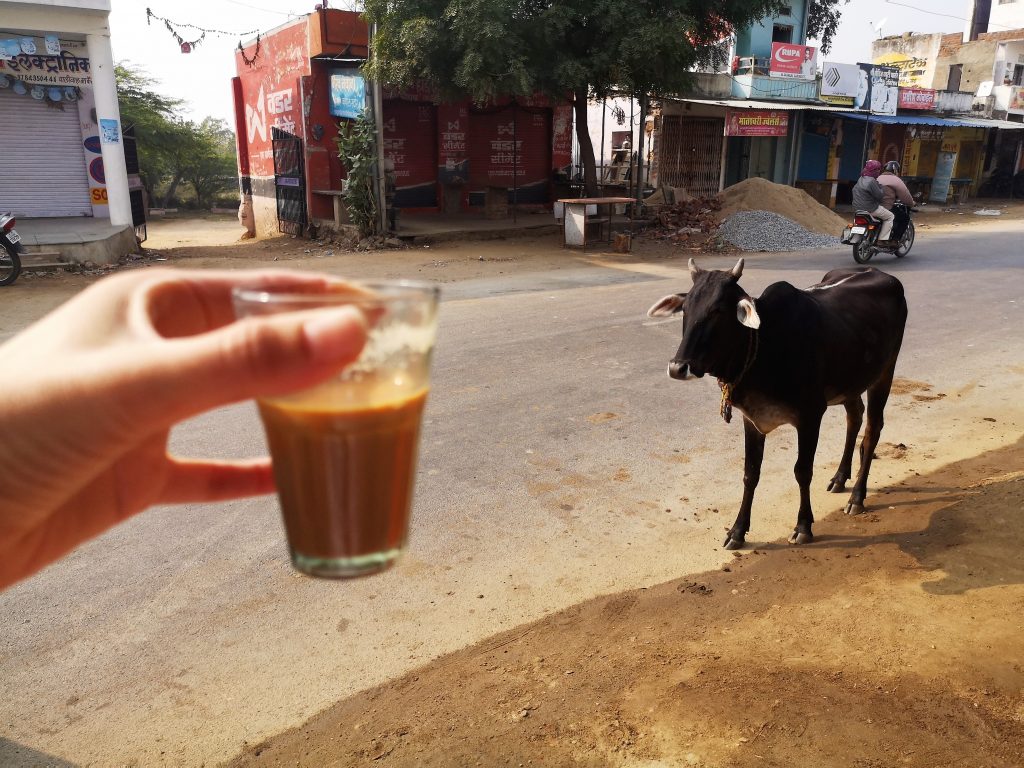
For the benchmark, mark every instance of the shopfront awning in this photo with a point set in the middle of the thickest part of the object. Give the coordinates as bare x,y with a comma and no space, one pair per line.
945,122
765,104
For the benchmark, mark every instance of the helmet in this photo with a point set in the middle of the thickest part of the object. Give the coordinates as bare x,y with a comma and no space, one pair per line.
892,167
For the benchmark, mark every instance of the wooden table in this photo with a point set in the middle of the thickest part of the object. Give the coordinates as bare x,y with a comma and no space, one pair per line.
575,219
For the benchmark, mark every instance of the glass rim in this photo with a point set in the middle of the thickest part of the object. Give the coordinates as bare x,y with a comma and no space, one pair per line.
385,289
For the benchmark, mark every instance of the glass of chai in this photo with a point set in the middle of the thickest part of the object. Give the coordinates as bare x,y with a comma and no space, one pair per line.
344,452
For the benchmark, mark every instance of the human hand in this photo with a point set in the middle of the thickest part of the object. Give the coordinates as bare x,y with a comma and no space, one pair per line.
92,390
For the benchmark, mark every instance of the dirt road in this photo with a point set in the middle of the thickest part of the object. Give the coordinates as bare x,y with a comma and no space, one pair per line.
814,656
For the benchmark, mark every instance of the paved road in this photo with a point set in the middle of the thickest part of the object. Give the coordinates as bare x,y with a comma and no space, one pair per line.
558,463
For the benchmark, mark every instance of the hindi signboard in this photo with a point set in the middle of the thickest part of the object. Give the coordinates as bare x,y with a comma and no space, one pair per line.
756,122
70,67
348,93
878,89
793,61
917,98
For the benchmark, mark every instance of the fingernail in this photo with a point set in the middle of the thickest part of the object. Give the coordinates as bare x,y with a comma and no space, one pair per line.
335,334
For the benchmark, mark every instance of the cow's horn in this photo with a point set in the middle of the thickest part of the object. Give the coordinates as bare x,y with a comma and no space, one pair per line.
694,269
737,271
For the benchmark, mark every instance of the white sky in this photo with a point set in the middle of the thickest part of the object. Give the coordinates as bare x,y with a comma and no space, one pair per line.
203,78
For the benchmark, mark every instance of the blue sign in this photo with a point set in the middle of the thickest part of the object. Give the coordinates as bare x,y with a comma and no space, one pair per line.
348,93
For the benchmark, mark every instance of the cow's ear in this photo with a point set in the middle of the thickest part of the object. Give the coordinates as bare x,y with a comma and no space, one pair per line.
672,304
746,313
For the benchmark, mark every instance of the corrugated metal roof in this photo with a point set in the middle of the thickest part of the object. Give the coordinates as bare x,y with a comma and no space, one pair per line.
958,122
948,122
752,104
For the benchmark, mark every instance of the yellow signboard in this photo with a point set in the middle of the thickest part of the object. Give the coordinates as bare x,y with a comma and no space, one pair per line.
912,68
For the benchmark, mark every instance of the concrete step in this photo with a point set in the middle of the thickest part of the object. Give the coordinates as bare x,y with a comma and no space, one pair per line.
42,260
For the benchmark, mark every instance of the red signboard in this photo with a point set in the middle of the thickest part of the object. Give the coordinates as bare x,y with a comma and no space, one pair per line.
756,122
917,98
795,61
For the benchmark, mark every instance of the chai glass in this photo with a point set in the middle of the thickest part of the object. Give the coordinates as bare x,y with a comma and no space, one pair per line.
344,452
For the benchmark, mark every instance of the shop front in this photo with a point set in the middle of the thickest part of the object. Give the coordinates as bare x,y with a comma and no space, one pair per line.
53,140
299,83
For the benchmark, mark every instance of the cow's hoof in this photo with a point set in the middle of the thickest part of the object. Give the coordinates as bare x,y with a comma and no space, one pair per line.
731,542
799,537
853,508
838,485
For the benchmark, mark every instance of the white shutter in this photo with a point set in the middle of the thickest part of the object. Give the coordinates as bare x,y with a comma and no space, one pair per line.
42,158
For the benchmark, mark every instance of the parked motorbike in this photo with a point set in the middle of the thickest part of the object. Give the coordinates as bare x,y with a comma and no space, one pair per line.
863,234
10,254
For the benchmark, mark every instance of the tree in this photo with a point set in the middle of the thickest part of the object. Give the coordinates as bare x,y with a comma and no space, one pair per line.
583,49
208,163
823,21
155,119
171,149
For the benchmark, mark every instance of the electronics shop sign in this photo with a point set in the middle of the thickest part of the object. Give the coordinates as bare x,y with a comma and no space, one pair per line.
756,122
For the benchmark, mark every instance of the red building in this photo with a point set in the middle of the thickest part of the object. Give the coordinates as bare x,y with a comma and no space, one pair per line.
295,81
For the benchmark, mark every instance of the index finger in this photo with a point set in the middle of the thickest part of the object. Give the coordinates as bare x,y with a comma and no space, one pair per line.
189,302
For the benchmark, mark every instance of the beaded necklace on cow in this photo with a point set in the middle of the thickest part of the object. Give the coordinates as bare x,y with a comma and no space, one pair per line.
727,388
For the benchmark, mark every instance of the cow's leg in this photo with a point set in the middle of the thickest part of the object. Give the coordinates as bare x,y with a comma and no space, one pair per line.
753,444
854,418
807,443
878,394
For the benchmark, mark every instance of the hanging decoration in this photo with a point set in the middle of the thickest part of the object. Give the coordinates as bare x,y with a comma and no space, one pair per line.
54,97
187,46
249,62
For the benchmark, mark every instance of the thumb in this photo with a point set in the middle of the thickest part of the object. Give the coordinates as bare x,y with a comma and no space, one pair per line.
255,357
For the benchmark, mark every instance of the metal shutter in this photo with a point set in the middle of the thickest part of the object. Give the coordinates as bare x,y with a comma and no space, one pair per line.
492,151
410,140
690,154
43,169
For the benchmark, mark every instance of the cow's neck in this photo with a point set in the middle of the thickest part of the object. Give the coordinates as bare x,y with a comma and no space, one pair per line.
729,385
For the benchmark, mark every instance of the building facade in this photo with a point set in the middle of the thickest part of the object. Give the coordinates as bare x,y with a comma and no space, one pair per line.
64,150
298,83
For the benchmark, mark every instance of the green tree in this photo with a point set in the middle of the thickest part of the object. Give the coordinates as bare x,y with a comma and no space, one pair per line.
581,49
173,150
823,21
155,120
209,162
357,149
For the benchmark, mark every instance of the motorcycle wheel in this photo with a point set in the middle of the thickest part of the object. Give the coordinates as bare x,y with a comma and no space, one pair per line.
906,242
862,252
10,266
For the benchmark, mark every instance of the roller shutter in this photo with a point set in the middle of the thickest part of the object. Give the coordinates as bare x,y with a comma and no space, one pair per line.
492,151
43,169
410,140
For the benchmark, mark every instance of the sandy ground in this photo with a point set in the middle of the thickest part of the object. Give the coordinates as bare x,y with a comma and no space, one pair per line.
893,640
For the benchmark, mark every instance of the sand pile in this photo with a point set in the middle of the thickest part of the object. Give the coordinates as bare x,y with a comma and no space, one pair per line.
761,195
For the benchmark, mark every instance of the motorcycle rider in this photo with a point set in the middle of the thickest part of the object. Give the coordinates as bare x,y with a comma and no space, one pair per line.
868,195
894,189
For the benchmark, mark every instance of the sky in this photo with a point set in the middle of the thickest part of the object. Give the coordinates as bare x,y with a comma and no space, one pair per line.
203,78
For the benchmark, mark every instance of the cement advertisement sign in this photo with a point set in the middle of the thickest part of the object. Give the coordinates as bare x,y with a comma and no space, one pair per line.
839,83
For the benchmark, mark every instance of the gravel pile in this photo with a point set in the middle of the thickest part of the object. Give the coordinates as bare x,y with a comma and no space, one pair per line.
767,231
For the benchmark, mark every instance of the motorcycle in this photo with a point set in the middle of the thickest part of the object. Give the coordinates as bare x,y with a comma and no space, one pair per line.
10,254
863,234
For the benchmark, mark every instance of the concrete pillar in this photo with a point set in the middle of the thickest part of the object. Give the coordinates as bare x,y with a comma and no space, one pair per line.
101,62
